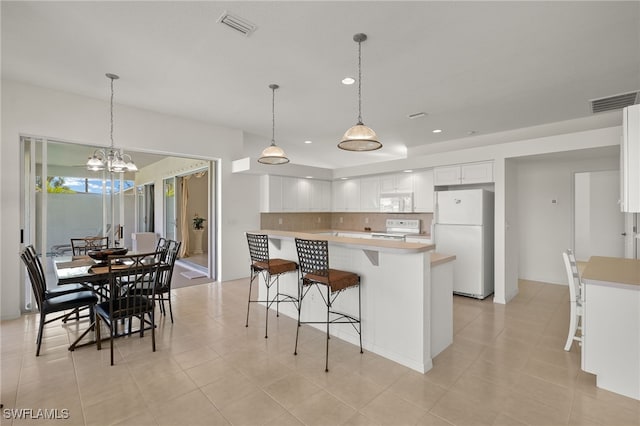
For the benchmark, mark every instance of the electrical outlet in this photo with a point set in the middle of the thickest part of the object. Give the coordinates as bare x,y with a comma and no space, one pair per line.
279,221
319,220
341,220
366,220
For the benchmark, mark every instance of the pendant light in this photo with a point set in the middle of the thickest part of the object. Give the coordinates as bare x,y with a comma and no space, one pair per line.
273,154
112,160
360,137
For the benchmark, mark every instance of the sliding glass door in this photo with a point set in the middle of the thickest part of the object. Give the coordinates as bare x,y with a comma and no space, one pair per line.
170,212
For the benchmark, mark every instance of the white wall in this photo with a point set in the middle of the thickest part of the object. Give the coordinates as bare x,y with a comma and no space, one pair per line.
582,215
67,117
546,229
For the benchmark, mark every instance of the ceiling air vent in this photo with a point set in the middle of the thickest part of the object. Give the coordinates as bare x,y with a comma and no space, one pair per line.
611,103
236,23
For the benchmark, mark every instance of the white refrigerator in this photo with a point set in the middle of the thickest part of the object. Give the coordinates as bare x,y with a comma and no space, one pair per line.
464,228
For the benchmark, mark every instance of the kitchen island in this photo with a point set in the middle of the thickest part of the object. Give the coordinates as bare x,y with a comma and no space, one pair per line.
611,324
406,294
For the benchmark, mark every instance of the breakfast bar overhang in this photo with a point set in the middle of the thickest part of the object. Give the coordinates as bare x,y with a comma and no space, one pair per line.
406,294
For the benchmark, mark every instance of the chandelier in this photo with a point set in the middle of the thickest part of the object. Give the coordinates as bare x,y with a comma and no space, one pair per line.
360,137
273,154
112,160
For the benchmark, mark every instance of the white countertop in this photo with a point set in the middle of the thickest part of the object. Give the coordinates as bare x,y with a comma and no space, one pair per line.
358,243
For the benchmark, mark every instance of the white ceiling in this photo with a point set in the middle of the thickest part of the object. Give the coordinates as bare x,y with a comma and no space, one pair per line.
471,66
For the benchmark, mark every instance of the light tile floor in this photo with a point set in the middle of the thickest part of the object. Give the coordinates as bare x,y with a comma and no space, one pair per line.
505,367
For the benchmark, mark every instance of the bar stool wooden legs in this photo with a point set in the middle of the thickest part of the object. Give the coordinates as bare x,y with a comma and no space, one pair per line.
313,257
270,269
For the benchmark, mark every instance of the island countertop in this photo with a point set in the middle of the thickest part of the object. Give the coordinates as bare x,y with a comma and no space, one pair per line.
359,243
613,271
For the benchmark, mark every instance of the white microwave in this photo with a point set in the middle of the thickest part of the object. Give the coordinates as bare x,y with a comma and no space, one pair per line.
396,202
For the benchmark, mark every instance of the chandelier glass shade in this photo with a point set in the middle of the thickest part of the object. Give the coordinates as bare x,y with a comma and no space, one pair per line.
111,159
273,154
360,137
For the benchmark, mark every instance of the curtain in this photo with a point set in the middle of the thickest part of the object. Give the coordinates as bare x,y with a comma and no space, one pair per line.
149,213
184,220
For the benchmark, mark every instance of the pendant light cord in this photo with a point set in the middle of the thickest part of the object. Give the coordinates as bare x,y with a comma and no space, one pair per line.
360,83
273,116
111,109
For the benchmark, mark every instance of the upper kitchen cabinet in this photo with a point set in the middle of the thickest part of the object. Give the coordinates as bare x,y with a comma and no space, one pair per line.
346,195
319,195
291,194
270,194
462,174
423,191
401,182
370,194
630,159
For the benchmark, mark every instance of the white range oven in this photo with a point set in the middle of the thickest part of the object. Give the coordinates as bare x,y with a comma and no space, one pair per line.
398,229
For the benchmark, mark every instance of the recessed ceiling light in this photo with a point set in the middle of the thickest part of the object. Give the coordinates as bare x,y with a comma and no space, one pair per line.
348,80
437,131
343,178
308,142
408,171
309,177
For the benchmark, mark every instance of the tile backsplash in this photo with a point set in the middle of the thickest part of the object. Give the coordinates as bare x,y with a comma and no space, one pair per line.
339,221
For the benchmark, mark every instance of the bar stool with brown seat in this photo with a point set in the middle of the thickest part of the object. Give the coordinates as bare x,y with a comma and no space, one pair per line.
270,269
313,258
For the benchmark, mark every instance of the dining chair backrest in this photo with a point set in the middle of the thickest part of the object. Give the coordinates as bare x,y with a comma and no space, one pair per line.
126,272
36,278
31,251
169,257
573,276
81,246
162,244
313,256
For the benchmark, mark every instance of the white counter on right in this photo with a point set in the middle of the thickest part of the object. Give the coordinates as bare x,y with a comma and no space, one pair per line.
611,324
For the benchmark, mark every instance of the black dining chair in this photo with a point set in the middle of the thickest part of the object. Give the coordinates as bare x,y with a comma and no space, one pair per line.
59,290
48,304
125,272
169,250
82,246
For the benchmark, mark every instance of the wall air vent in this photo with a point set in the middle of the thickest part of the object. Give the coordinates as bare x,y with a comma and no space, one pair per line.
236,23
611,103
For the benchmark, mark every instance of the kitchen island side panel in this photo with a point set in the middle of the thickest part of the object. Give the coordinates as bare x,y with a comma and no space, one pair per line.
396,299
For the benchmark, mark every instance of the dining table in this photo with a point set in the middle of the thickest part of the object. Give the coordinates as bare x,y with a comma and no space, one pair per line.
83,269
80,269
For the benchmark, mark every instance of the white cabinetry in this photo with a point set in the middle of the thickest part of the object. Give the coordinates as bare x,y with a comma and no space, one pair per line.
464,174
423,191
346,195
270,194
370,194
291,194
320,195
401,182
630,158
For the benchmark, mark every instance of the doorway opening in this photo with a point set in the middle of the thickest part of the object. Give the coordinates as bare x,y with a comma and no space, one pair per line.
598,223
61,199
193,217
